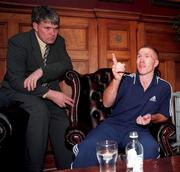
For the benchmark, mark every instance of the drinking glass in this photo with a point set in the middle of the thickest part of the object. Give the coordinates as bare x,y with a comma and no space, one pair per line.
107,153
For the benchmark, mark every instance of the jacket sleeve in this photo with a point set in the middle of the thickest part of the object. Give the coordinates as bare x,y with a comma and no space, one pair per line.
17,69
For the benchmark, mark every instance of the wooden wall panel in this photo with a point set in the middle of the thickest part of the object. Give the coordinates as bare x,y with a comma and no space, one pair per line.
162,68
2,68
15,21
81,45
3,47
177,77
24,27
3,34
118,37
10,24
162,37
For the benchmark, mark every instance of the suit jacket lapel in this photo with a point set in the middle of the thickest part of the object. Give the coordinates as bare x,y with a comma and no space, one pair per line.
36,52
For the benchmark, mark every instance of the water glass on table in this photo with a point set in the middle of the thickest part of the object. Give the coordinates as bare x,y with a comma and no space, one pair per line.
107,153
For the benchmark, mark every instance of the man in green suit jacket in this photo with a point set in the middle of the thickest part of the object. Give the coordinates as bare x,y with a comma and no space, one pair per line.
33,75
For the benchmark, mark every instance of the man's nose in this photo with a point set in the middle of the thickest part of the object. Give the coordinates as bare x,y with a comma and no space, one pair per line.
52,31
141,59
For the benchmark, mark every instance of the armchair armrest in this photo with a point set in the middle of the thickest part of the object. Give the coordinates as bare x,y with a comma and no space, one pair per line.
88,110
13,123
7,120
74,133
5,129
165,132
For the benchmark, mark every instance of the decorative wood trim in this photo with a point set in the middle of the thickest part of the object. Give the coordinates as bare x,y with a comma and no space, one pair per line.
87,13
75,12
99,13
15,7
169,3
155,18
63,11
121,1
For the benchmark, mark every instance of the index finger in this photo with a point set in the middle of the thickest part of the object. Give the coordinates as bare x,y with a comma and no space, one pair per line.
114,58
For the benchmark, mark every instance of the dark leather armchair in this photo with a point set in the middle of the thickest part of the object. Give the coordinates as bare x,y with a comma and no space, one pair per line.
89,111
13,122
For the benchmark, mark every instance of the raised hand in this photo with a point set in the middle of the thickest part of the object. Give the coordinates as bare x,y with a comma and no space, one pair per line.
118,68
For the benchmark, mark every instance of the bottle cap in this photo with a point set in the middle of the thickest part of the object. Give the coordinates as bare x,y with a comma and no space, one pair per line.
133,134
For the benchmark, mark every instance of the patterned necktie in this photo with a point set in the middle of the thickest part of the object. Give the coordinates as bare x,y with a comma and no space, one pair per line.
46,53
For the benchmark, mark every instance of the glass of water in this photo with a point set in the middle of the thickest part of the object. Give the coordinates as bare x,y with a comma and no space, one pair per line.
107,153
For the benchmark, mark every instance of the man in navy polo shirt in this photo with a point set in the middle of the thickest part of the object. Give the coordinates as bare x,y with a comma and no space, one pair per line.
138,100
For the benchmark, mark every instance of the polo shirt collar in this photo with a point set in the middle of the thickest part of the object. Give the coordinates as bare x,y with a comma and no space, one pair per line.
153,82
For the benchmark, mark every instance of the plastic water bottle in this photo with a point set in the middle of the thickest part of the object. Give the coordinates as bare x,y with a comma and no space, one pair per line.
134,153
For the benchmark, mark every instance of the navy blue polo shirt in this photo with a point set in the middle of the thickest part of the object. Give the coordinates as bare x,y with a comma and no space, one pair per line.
132,100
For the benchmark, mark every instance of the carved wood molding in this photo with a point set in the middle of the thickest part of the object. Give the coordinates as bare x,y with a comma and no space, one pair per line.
15,7
62,11
88,13
101,13
155,18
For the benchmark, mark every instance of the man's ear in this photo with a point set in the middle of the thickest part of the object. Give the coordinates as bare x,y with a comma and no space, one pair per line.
34,25
156,63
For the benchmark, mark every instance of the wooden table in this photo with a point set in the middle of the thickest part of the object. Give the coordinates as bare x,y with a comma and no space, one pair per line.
170,164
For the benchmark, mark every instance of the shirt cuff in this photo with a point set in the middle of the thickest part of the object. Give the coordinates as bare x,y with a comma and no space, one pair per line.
45,95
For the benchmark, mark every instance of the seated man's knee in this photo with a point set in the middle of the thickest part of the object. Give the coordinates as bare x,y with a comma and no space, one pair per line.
85,154
151,150
36,107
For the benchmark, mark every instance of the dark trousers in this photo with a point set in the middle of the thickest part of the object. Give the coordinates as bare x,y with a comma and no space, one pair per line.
46,120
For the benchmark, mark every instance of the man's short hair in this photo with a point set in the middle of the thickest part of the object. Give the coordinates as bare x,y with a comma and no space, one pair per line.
44,13
153,49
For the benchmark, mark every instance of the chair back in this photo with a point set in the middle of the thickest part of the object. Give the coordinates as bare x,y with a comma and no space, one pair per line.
88,110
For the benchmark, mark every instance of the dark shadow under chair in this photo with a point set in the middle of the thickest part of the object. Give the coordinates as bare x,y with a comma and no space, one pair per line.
88,111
